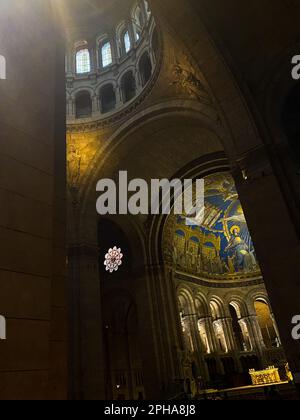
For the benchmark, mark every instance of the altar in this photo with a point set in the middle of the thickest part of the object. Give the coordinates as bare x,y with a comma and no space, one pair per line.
265,377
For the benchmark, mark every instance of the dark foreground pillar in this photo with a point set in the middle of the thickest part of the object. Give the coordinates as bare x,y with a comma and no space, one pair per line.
32,202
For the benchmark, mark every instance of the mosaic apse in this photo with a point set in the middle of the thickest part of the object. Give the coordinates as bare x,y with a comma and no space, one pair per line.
221,247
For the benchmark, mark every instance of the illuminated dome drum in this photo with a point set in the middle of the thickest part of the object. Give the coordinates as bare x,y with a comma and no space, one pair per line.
110,65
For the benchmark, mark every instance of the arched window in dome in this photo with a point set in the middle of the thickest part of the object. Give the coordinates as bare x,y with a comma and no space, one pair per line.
83,61
106,54
107,99
124,39
127,42
128,87
83,104
145,68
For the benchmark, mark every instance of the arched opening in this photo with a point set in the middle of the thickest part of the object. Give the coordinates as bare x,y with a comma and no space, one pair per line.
107,99
83,61
83,104
124,39
291,123
266,324
128,87
237,331
124,369
106,54
145,68
121,330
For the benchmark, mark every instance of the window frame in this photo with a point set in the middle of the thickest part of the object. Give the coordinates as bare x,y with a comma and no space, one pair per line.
82,50
102,45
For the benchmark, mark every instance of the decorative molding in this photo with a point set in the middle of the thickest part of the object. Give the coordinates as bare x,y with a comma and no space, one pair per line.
241,281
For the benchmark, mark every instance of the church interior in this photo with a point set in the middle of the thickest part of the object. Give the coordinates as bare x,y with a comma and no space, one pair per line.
170,89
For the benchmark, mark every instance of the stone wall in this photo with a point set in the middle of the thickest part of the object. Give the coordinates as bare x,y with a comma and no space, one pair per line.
32,203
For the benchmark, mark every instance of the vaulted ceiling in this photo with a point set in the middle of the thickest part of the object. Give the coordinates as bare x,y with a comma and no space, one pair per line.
89,15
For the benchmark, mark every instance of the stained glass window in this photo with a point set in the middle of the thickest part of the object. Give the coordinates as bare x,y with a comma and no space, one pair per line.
83,62
106,54
127,42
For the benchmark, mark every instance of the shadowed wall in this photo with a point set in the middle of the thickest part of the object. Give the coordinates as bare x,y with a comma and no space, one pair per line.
32,203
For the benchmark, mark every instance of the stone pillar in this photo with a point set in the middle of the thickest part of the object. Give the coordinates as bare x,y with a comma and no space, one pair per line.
95,105
161,336
87,364
119,102
199,348
211,336
72,108
229,335
274,232
131,33
257,334
33,299
276,328
114,47
246,330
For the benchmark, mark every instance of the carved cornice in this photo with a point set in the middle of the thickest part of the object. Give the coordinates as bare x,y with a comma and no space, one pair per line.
240,281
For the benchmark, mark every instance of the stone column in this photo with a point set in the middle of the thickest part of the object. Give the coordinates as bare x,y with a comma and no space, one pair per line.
275,327
114,47
199,348
119,102
131,33
229,335
211,337
95,105
246,330
274,230
33,297
161,336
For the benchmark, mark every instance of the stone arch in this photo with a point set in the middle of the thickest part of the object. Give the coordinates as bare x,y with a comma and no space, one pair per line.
185,295
238,301
129,130
217,307
83,104
201,305
256,294
107,97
